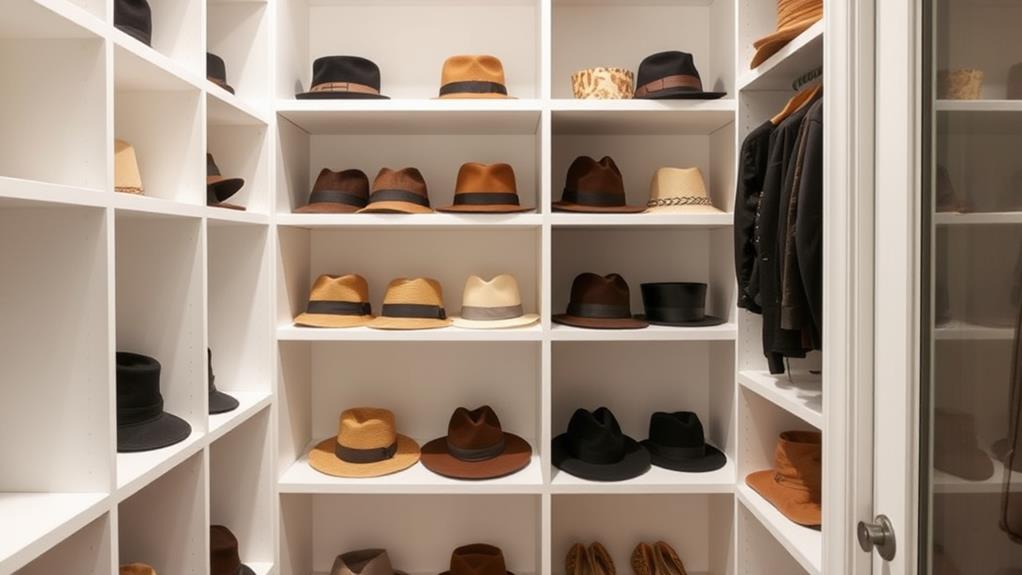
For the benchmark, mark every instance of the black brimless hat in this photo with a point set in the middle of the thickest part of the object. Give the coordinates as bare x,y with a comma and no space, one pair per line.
676,441
677,304
142,424
216,71
134,18
219,402
595,448
343,77
671,76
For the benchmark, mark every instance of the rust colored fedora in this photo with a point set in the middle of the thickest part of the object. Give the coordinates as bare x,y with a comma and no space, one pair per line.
477,559
223,553
337,301
486,189
793,18
793,485
592,186
473,76
476,447
367,445
343,192
344,78
600,303
412,303
398,192
218,188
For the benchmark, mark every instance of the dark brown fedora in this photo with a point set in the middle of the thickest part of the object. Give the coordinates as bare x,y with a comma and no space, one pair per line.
219,188
399,192
601,303
223,553
476,447
486,189
592,186
343,192
216,71
477,559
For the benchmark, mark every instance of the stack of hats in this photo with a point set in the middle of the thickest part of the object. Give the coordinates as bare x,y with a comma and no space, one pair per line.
670,75
793,18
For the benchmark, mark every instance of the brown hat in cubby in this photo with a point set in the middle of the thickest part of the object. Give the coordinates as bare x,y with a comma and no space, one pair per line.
679,191
137,569
476,447
127,177
600,303
219,188
337,301
793,485
134,18
793,18
364,562
597,187
367,445
486,189
477,559
344,78
412,303
473,76
343,192
603,83
223,553
398,192
216,71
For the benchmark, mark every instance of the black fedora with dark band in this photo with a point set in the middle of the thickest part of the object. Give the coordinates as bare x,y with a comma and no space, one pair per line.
344,78
671,76
219,402
595,448
677,441
142,424
134,18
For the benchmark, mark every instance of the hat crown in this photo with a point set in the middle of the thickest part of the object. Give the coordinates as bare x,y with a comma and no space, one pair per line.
215,67
211,167
472,68
363,562
136,15
136,569
476,178
790,12
954,430
678,429
603,83
677,182
346,288
351,181
209,370
611,289
663,64
675,301
416,291
474,429
596,437
407,179
223,551
126,171
797,460
587,175
366,428
500,291
138,381
353,69
478,559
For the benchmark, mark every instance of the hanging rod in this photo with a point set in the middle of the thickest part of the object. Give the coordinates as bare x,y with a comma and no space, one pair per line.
807,78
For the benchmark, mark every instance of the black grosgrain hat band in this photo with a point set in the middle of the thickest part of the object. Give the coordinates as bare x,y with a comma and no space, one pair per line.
480,454
599,310
336,197
398,196
587,198
339,308
353,455
485,199
473,87
676,314
677,452
414,310
136,415
491,313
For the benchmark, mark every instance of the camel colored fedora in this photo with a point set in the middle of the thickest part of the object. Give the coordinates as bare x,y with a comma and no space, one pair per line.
793,485
223,553
136,569
337,301
595,448
398,192
476,447
367,445
364,562
477,559
473,76
600,303
596,187
219,402
127,176
219,188
492,304
412,303
679,191
216,71
793,18
343,192
486,189
676,441
142,424
344,78
603,83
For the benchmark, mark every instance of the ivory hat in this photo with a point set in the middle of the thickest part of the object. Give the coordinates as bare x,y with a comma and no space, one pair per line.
337,301
127,177
492,304
679,191
367,445
412,303
603,84
473,76
793,18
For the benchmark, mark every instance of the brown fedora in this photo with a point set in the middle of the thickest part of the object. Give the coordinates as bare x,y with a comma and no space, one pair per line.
592,186
367,445
223,553
793,485
601,303
343,192
473,76
136,569
398,192
486,189
337,301
412,303
476,447
793,18
477,559
364,562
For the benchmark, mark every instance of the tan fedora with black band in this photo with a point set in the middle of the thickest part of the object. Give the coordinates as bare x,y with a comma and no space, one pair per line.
337,301
493,304
486,189
473,76
398,192
412,303
476,447
367,445
595,187
793,18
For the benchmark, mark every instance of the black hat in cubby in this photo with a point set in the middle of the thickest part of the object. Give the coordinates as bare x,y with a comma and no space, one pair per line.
142,425
134,18
219,402
343,77
216,71
595,448
677,441
671,76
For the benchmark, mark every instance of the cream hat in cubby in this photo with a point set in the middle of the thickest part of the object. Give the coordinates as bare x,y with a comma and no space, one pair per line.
412,303
679,191
337,301
603,83
493,304
367,445
127,177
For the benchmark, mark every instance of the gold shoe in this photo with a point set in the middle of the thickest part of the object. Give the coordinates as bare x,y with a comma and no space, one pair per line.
601,561
667,560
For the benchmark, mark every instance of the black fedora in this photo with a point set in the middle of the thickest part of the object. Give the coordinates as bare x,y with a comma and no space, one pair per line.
595,448
219,402
219,188
216,71
142,424
678,304
676,441
671,76
134,18
343,77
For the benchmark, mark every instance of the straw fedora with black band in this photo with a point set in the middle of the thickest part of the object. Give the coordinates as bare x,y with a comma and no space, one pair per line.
595,187
600,303
486,189
679,191
127,175
367,445
676,304
595,448
343,192
603,83
216,71
477,559
364,562
219,402
671,75
337,301
218,188
344,78
142,424
793,485
493,304
223,553
677,442
412,303
398,192
476,447
473,76
793,18
134,18
136,569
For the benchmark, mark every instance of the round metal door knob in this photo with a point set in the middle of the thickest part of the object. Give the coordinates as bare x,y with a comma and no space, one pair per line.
878,536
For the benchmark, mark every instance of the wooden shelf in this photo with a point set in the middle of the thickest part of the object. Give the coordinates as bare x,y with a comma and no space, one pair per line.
805,545
800,394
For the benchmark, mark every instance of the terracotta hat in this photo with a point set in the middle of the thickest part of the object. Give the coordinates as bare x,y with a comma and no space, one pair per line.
223,553
337,301
477,559
486,189
671,75
492,304
595,448
142,423
603,83
219,402
367,445
343,192
677,442
793,18
955,447
344,78
127,177
793,485
216,71
399,192
412,303
219,188
601,303
364,562
592,186
679,191
473,76
137,569
676,304
476,447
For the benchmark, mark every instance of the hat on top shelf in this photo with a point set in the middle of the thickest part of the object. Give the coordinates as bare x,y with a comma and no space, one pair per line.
600,303
142,424
337,301
477,559
595,448
486,189
367,445
676,304
218,188
216,71
793,485
223,553
596,187
343,78
476,447
473,76
343,192
671,76
134,18
603,83
364,562
219,402
136,569
793,18
677,442
679,191
412,303
398,192
127,176
493,304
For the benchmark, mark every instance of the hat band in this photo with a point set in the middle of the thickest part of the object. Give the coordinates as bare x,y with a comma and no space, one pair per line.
353,455
676,314
398,196
133,415
485,199
479,313
679,201
473,87
344,87
667,82
340,308
678,452
599,310
415,310
480,454
586,198
336,197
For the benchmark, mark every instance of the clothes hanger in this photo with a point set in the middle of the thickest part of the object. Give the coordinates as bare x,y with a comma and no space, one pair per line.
797,102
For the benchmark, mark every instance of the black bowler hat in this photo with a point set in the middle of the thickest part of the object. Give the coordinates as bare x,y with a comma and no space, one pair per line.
595,448
216,71
343,77
676,441
671,76
679,304
142,424
134,18
219,402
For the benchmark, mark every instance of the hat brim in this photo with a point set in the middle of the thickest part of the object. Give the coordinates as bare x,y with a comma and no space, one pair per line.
136,34
326,208
635,462
684,210
395,208
516,456
331,320
221,83
707,321
475,96
220,402
163,431
569,207
489,209
382,322
521,321
339,96
772,43
323,459
225,188
972,466
599,323
805,514
682,94
713,460
245,570
228,206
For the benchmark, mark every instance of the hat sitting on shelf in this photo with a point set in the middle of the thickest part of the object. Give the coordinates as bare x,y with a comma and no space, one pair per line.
134,18
603,83
364,562
476,447
367,444
223,553
344,78
412,303
136,569
594,187
398,192
493,304
216,71
486,189
337,301
477,559
219,402
127,176
343,192
793,485
600,303
219,188
793,18
142,424
679,191
671,76
473,76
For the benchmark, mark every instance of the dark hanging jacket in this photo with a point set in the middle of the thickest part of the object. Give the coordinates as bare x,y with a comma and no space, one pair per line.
752,166
809,224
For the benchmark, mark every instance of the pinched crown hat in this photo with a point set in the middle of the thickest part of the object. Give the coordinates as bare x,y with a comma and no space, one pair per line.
337,301
367,445
592,186
473,76
679,191
677,442
793,18
476,447
493,304
486,189
343,192
127,176
477,559
399,192
601,303
223,553
594,447
412,303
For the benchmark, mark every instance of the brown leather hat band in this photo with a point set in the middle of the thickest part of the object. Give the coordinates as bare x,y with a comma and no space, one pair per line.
339,308
344,87
491,313
485,199
398,196
473,87
585,198
599,310
336,197
480,454
352,455
676,81
414,310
